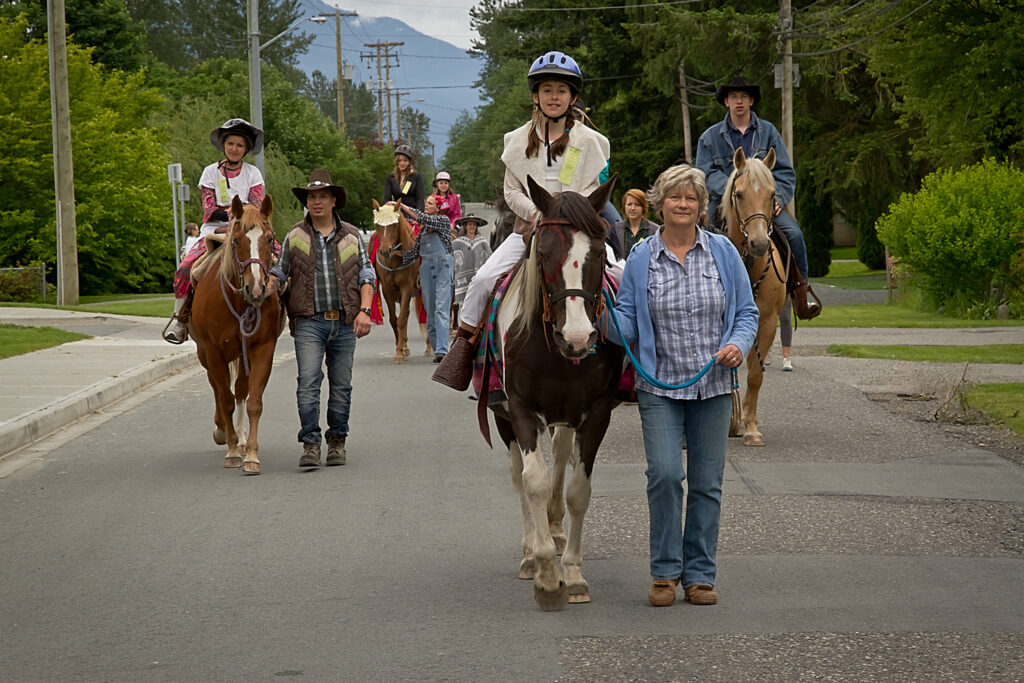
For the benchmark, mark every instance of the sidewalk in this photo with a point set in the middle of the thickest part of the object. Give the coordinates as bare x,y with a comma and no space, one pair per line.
50,389
46,390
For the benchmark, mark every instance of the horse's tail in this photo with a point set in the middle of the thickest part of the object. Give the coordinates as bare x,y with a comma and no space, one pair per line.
526,285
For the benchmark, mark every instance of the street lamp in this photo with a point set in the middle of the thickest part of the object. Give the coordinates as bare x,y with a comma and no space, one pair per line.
255,82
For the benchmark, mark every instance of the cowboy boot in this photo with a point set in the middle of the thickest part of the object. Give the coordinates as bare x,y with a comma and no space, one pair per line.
175,331
804,309
456,368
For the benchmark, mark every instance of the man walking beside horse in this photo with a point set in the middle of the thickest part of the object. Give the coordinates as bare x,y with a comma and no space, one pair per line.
331,282
715,148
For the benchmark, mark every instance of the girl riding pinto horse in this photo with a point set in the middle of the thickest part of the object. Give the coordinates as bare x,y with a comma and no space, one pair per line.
219,184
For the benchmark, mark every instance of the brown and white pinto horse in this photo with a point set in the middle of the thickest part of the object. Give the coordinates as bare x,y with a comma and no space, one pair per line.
235,326
397,282
748,204
556,374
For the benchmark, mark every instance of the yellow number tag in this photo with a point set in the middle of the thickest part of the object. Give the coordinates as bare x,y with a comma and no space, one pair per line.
572,158
407,187
223,198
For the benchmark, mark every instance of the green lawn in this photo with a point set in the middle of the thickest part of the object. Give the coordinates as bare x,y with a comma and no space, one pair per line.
843,253
1004,402
992,353
161,307
891,315
15,340
852,275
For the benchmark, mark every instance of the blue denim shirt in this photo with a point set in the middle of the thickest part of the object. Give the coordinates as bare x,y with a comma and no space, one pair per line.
714,157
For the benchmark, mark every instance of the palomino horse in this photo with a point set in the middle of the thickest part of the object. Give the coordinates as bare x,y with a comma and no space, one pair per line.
235,326
556,375
749,205
397,280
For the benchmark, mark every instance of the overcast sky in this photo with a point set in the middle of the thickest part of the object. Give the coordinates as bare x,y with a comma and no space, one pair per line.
447,20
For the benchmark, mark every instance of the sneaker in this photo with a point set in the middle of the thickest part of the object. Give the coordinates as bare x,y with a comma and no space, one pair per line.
701,594
310,455
438,357
662,592
335,450
767,358
787,365
175,332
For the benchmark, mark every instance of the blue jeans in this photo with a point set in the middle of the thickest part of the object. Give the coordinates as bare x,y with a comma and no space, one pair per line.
703,424
317,339
436,285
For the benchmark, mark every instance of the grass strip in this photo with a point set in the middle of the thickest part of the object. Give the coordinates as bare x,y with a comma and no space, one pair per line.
1004,402
16,340
892,315
990,353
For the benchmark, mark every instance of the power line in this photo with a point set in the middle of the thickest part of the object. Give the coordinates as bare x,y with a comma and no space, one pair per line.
819,53
597,9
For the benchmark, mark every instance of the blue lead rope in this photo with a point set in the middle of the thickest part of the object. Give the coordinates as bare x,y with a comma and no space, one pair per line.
651,379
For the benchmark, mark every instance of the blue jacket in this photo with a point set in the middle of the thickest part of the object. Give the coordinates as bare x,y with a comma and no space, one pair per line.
634,312
714,157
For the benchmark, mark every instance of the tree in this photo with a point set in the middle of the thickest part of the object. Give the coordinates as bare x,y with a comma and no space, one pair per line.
125,240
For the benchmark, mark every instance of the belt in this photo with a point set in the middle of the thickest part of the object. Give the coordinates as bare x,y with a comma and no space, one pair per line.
331,315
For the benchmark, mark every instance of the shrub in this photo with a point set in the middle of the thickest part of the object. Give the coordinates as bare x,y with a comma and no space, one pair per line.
21,284
959,235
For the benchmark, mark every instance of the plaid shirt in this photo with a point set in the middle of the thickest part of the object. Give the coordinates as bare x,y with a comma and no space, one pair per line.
687,310
326,296
430,225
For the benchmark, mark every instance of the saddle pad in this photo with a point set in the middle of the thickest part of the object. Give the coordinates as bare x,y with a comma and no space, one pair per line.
489,344
202,264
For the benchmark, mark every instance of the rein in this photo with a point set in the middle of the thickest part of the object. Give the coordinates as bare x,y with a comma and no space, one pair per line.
249,320
391,254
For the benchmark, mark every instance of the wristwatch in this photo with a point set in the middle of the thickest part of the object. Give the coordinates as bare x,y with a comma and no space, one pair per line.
367,311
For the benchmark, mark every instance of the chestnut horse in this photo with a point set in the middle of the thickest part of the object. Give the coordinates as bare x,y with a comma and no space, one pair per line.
556,374
235,326
396,280
748,204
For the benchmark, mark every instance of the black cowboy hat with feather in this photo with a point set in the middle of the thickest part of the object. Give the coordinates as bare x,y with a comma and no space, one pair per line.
740,84
320,179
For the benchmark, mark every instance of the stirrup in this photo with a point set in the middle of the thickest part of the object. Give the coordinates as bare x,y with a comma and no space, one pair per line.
174,340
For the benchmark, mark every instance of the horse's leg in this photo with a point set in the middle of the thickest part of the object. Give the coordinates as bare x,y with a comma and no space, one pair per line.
261,360
549,590
561,449
240,382
393,320
219,374
219,435
755,376
403,322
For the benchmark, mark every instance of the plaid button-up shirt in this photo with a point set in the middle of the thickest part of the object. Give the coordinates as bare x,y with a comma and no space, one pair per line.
687,305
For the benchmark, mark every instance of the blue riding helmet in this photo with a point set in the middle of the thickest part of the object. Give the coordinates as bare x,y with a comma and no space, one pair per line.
555,66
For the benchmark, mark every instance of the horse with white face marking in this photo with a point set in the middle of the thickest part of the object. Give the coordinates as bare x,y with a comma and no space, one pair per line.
557,374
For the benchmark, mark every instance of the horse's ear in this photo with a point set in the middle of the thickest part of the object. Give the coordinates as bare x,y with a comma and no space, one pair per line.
267,207
739,159
599,197
236,207
540,196
376,205
398,203
769,160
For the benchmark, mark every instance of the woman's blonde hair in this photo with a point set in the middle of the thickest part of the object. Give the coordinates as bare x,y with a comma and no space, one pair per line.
639,197
409,171
682,176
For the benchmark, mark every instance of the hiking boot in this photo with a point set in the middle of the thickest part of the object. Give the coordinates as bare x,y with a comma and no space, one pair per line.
455,370
310,455
662,592
787,365
701,594
335,450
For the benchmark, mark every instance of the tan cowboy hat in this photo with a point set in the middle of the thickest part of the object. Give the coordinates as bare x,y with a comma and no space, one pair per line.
320,179
738,83
470,218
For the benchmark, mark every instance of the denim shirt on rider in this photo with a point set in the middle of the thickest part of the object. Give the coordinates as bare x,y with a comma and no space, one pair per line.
714,156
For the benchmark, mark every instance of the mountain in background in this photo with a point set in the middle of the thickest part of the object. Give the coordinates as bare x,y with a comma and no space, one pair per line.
439,73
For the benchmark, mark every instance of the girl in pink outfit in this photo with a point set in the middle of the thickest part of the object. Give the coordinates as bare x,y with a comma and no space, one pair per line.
448,203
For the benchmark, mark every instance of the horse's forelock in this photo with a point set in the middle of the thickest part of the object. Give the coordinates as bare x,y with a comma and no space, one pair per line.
577,209
251,218
760,176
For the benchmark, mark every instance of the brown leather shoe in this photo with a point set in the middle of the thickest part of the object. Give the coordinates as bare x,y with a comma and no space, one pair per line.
804,308
701,594
662,592
456,368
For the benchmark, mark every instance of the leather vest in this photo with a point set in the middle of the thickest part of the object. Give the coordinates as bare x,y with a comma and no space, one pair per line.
344,248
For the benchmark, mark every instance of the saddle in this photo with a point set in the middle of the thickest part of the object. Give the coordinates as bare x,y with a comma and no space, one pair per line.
796,286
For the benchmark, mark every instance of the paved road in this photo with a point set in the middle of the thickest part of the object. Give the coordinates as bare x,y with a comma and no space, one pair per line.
857,545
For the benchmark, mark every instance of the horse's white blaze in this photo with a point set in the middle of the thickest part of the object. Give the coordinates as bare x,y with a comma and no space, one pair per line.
577,328
254,235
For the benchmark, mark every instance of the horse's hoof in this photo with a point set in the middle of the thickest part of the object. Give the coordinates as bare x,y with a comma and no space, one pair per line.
527,568
233,461
753,440
251,467
219,437
399,360
551,601
579,598
406,352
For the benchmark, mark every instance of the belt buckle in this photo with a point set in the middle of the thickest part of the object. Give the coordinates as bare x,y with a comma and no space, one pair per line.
332,315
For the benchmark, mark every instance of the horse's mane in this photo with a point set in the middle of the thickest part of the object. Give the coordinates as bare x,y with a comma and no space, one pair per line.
759,174
251,216
577,209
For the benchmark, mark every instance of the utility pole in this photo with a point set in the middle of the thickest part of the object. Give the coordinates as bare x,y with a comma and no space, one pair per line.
255,78
383,83
338,14
63,168
687,142
398,113
786,50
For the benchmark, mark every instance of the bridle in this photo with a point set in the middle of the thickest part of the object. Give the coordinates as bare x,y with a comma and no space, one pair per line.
249,320
390,252
769,220
550,299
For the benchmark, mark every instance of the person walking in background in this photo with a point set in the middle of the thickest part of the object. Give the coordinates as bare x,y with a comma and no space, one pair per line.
331,285
404,182
470,249
635,227
786,334
434,247
742,128
448,203
191,237
219,184
685,297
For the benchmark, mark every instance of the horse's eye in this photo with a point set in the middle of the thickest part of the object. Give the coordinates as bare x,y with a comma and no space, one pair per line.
739,195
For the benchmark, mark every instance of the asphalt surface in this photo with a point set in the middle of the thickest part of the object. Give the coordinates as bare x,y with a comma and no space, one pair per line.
856,545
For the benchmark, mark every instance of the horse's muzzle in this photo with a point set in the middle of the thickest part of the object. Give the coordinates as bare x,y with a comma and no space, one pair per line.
758,247
576,349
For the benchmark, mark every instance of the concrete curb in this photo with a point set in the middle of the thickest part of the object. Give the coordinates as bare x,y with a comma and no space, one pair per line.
32,426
